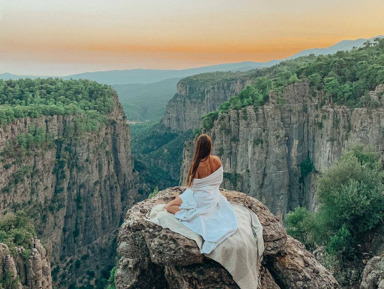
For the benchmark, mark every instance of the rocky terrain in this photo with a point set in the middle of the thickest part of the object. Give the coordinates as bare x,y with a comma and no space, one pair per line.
153,257
198,95
33,271
373,275
75,185
274,153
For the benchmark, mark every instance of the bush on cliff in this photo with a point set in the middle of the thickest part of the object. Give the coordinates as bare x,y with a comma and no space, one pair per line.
351,200
17,231
111,280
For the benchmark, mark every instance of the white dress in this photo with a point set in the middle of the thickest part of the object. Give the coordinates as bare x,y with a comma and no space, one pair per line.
207,212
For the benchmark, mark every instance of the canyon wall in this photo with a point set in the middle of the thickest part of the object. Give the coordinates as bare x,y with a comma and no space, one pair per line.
74,184
201,94
275,152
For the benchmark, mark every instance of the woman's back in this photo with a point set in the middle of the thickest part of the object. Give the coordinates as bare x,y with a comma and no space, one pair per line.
208,166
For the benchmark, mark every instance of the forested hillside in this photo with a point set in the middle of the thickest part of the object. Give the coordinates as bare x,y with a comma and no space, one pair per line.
54,96
351,209
344,77
146,102
65,156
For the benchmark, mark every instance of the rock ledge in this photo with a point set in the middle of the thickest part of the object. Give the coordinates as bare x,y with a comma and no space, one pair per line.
153,257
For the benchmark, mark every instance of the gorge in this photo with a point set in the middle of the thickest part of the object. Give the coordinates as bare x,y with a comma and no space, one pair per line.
71,173
275,152
67,161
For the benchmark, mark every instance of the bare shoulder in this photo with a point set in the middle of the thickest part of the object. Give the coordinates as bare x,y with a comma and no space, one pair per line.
216,161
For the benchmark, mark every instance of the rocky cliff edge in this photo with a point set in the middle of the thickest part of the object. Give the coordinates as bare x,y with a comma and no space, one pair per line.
19,270
153,257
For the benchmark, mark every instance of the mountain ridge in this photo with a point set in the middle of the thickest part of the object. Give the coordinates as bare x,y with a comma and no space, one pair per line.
145,76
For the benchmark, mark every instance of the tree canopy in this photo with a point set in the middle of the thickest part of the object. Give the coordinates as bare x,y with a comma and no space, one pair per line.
53,96
350,194
344,77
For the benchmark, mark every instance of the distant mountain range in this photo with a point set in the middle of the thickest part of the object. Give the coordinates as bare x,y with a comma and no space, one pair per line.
145,76
144,93
344,45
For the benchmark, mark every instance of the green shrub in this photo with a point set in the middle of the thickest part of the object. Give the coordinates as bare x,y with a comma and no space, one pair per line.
258,141
9,281
16,230
306,167
301,225
350,194
111,280
208,120
154,193
233,178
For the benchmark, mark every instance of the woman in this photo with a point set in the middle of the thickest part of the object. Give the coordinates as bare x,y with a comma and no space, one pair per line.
202,208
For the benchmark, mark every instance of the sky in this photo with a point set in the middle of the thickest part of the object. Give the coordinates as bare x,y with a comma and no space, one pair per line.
56,37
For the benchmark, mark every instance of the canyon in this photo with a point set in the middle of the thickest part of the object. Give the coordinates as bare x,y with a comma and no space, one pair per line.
75,186
274,153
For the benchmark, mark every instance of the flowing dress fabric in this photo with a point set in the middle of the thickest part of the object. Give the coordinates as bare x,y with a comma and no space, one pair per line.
207,212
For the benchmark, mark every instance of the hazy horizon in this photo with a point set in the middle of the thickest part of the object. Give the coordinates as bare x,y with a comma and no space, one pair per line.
41,37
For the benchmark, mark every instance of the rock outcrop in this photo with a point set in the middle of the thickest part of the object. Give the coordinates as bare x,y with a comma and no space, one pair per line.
153,257
274,152
20,271
201,94
373,274
75,185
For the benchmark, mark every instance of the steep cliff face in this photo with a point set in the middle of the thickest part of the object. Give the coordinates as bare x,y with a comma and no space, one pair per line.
196,97
75,186
154,257
18,271
273,153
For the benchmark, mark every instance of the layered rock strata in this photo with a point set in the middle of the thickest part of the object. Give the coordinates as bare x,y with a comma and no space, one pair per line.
195,98
74,184
274,152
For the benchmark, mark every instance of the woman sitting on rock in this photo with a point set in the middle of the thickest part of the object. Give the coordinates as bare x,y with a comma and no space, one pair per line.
202,208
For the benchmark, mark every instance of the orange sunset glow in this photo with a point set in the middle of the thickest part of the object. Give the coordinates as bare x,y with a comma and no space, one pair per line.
44,37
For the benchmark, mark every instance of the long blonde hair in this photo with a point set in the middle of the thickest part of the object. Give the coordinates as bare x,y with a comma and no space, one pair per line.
203,149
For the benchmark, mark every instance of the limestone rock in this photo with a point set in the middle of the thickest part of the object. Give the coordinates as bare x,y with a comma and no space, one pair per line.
266,280
268,153
194,98
153,257
32,273
76,188
300,271
373,274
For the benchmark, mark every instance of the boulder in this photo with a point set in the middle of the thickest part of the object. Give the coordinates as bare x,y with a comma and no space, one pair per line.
153,257
373,274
